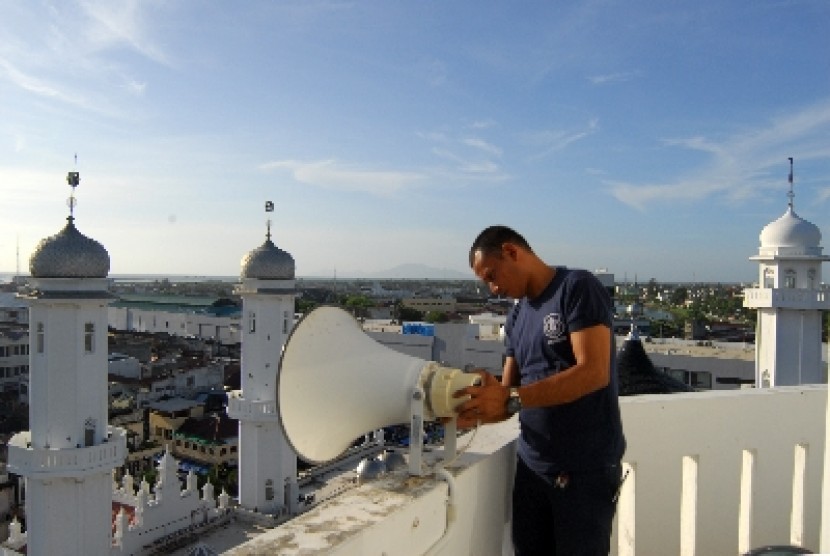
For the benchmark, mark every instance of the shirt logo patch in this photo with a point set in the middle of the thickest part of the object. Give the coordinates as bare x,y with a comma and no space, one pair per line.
554,327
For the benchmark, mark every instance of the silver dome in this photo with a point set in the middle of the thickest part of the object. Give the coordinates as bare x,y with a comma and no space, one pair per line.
268,262
69,254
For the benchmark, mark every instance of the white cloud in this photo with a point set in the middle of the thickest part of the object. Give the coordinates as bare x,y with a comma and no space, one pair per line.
135,88
36,86
741,165
548,142
121,23
331,174
483,145
618,77
482,124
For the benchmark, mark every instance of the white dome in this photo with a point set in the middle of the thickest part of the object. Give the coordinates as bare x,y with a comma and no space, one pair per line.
69,254
790,231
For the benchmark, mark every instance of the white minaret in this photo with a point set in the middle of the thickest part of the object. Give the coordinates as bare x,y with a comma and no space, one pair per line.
68,455
266,461
789,300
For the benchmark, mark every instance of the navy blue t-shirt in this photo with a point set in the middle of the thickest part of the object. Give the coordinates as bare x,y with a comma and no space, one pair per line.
585,434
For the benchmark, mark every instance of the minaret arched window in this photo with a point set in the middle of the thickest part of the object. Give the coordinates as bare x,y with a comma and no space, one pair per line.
251,322
89,432
40,338
789,278
285,322
89,337
811,278
769,278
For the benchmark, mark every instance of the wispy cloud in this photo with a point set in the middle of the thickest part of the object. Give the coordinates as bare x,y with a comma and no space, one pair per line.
35,85
135,88
468,157
482,124
331,174
741,165
72,56
114,24
547,142
609,78
468,167
482,145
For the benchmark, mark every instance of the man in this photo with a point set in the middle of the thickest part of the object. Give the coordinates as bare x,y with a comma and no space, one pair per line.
560,376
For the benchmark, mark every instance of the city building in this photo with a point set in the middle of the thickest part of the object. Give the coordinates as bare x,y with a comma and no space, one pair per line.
203,317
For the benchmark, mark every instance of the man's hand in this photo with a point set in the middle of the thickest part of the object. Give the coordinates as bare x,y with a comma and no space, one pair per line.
487,403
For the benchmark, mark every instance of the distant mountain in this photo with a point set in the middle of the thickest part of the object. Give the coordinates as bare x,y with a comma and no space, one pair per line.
404,271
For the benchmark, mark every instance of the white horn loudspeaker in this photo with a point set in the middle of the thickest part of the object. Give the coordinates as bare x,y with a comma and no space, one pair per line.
335,384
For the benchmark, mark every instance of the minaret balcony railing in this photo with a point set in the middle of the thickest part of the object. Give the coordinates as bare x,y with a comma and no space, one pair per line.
786,298
40,463
251,410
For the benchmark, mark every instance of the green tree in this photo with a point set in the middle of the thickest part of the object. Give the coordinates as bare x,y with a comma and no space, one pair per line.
652,288
679,296
303,306
403,313
222,477
436,316
358,305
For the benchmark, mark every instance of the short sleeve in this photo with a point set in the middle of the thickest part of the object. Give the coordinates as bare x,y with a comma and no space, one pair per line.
588,302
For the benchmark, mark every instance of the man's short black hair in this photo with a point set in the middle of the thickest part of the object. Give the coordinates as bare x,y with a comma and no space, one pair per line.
491,239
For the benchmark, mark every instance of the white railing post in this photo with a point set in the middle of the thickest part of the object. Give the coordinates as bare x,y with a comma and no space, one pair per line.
799,478
747,496
688,507
627,512
824,545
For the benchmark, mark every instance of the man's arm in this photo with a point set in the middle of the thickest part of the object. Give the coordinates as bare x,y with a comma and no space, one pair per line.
510,372
591,372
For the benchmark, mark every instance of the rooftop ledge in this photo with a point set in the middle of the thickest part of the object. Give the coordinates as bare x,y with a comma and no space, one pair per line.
709,473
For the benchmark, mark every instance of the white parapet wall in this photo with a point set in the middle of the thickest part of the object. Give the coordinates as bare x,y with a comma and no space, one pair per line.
722,472
408,515
709,473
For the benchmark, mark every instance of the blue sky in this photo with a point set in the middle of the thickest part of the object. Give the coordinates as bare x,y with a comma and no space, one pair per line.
646,137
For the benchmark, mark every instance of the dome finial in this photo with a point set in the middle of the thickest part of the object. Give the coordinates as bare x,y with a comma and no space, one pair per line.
73,179
268,262
790,194
269,207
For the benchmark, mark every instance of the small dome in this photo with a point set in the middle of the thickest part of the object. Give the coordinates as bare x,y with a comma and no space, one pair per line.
268,262
69,254
790,231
